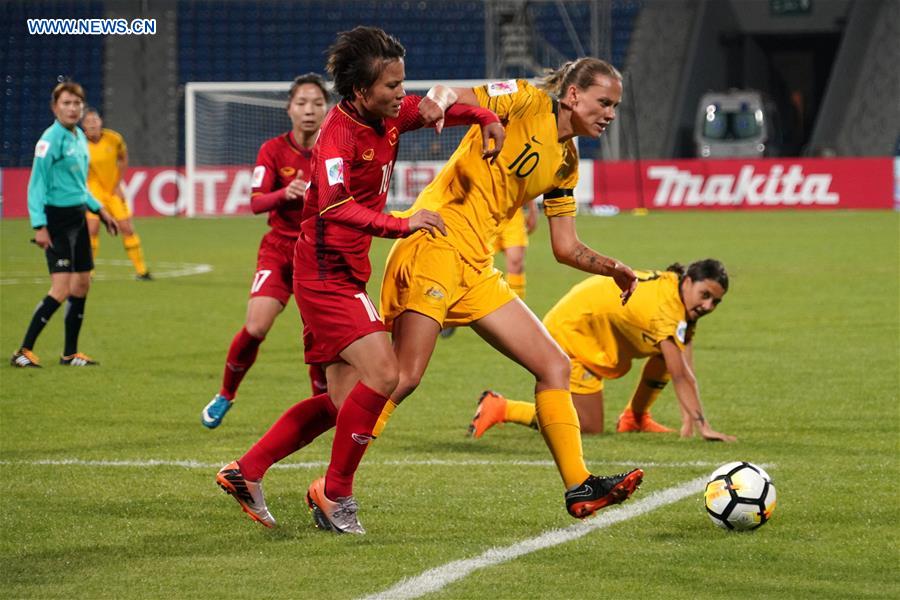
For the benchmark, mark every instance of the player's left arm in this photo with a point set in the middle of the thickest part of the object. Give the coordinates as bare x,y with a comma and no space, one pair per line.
569,250
680,367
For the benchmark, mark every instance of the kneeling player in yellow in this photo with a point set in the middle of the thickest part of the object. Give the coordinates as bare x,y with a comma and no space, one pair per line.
432,282
512,241
602,337
108,161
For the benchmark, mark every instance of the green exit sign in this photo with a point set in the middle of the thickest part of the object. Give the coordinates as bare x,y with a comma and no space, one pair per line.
790,7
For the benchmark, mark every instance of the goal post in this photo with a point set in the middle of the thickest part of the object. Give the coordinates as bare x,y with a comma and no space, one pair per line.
226,122
223,120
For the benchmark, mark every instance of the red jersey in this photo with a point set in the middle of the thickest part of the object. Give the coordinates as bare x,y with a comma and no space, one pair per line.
351,173
280,161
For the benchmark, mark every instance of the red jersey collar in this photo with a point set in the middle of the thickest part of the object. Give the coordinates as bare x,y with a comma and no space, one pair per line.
295,146
350,110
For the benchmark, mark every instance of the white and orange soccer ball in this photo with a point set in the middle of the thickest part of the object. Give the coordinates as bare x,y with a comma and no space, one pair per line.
739,496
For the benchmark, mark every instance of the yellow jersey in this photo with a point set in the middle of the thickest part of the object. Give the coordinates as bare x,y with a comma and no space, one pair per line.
476,197
103,168
591,325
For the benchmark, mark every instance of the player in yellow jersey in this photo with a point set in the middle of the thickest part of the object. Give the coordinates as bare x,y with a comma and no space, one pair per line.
432,282
512,241
602,338
109,159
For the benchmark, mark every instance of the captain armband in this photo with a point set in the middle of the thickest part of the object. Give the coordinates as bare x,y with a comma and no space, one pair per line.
560,203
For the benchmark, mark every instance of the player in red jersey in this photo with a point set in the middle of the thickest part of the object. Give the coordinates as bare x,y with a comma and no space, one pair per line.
352,163
279,185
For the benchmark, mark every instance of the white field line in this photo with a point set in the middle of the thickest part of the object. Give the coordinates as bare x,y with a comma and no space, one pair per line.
161,270
436,579
194,464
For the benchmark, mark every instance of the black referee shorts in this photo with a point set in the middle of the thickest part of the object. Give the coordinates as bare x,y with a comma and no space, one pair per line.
70,250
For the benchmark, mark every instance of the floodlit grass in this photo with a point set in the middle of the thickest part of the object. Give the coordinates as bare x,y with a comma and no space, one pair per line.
800,362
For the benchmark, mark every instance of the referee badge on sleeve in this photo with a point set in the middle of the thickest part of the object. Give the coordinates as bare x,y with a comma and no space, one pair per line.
40,150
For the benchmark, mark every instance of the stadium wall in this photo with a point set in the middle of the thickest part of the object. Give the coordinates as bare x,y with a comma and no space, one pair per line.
845,183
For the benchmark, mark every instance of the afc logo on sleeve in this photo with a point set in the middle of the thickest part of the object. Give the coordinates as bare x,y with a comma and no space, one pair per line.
40,150
502,88
334,167
258,173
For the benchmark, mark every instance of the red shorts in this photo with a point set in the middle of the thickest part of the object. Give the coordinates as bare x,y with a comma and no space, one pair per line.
335,313
274,267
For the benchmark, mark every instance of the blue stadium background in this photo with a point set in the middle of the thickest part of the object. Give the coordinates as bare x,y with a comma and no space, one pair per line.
255,41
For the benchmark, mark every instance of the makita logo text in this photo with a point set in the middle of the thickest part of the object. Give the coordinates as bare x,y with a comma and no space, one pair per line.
775,188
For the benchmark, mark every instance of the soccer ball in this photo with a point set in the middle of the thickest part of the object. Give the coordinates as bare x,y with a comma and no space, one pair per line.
740,496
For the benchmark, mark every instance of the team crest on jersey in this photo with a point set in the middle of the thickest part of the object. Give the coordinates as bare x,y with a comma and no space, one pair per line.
40,151
334,167
369,154
393,136
287,171
502,88
681,331
258,173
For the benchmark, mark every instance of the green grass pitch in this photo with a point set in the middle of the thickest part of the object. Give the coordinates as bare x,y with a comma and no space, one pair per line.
800,362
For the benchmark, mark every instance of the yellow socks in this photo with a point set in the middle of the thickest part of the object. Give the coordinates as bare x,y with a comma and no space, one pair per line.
132,245
95,245
654,377
523,413
516,281
562,434
386,413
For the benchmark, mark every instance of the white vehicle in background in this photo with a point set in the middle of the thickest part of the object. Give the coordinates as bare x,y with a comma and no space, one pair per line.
736,123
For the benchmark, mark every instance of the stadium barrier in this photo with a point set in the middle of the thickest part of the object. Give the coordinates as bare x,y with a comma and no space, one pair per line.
721,184
842,183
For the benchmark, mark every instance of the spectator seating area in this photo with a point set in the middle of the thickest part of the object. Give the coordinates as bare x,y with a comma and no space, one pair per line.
273,40
33,64
287,38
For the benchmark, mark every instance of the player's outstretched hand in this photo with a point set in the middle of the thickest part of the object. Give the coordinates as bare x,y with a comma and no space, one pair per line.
624,278
432,112
711,435
295,189
427,219
112,228
492,136
434,104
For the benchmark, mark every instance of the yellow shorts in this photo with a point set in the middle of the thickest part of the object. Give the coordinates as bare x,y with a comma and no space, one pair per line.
114,205
513,234
582,380
430,277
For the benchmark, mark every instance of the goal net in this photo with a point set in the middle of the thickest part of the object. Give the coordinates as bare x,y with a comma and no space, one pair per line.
226,122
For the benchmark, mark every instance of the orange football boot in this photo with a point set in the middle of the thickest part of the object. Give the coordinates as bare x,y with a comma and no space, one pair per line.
491,411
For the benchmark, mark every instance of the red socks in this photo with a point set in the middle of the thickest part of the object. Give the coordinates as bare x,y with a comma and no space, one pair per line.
317,379
305,421
241,356
297,427
353,432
